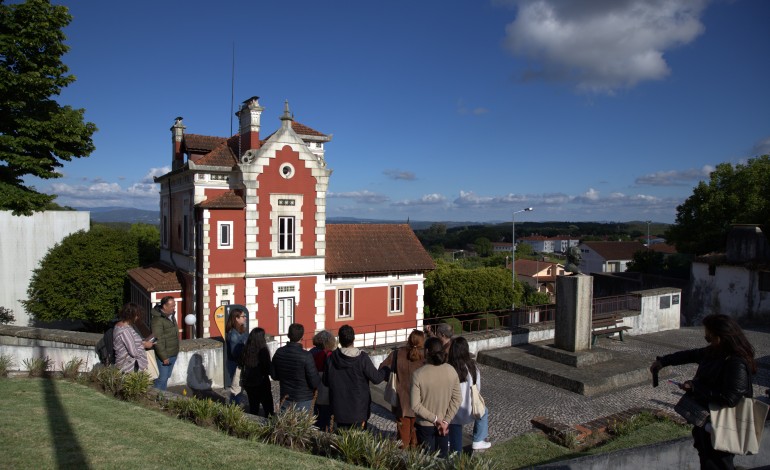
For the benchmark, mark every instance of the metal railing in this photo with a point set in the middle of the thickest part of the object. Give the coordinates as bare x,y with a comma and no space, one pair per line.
374,334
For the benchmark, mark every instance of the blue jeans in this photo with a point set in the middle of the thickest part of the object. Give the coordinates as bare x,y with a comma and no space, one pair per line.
300,405
455,438
481,427
164,372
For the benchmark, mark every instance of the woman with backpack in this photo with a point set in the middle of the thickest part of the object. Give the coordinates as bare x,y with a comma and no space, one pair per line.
255,376
128,345
236,334
468,373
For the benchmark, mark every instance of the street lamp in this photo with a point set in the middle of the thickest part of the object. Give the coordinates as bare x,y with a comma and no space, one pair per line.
648,233
513,253
455,252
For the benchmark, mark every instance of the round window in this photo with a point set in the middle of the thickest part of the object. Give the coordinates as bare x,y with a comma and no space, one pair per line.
286,170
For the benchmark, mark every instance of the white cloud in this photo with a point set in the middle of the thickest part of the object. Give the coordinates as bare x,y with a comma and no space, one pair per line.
601,46
476,111
426,200
761,148
361,197
675,177
400,175
148,178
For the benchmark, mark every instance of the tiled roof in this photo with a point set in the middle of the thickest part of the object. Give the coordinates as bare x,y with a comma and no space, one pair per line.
374,248
302,129
529,267
615,250
227,200
157,277
223,155
664,248
201,143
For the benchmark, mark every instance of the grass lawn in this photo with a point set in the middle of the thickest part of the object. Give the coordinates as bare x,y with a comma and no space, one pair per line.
60,424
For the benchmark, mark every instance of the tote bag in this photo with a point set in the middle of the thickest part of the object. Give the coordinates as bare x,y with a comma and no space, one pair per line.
478,407
391,388
152,366
738,429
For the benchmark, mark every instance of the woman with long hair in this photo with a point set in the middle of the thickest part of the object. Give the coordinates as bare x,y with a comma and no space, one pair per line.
323,344
468,373
723,378
435,398
255,362
236,335
129,346
407,359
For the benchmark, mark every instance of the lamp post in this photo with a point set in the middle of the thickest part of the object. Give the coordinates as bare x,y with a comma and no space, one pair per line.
648,233
455,252
513,253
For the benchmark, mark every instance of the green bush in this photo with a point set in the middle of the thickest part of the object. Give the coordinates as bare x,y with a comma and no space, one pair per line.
229,417
71,370
6,363
37,366
203,412
135,385
488,321
293,428
110,378
359,447
457,325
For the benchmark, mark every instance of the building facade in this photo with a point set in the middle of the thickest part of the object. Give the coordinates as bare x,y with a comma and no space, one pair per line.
243,221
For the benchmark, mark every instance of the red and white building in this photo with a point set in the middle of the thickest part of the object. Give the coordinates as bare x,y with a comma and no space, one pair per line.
243,221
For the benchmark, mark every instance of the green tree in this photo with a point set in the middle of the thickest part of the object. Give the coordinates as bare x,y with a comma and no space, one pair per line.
451,290
6,316
523,250
83,277
36,133
147,242
734,195
646,261
483,246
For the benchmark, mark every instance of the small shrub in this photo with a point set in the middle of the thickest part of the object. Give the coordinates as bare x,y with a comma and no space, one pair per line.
6,364
37,366
135,385
71,370
417,459
457,325
110,379
359,447
229,417
293,428
463,461
6,316
568,439
203,412
488,321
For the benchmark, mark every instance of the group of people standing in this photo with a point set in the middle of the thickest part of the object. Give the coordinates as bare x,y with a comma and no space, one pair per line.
435,376
133,341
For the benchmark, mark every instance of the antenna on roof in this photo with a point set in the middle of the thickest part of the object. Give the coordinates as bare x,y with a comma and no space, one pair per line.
232,92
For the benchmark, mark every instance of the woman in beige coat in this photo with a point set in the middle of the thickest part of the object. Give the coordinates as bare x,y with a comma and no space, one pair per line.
408,359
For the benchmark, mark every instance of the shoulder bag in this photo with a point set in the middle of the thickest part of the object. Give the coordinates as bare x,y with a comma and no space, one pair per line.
391,388
692,411
738,429
478,407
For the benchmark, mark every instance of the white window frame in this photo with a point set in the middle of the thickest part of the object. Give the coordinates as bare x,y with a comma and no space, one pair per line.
344,306
283,322
286,236
227,244
396,299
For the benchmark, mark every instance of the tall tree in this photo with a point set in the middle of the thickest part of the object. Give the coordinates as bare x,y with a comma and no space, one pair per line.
83,277
734,195
36,133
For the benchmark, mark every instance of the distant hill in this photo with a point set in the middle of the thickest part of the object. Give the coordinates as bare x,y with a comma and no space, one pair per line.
122,214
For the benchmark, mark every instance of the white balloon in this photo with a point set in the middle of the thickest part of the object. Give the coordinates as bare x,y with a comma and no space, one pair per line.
189,319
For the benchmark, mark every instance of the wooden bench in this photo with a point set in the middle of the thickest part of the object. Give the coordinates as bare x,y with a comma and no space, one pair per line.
607,326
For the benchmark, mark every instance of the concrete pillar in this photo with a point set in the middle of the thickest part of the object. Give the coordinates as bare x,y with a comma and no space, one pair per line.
574,299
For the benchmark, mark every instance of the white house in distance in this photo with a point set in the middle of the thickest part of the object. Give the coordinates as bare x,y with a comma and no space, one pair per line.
541,244
538,274
607,257
735,283
24,243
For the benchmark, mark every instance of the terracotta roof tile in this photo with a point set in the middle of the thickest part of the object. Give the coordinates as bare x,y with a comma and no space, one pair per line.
615,250
374,248
530,267
201,143
302,129
157,277
227,200
664,248
223,155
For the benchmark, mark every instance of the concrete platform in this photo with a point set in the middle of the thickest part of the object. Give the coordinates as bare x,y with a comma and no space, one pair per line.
587,373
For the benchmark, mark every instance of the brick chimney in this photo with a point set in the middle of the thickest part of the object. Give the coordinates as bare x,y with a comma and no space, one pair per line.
177,132
248,118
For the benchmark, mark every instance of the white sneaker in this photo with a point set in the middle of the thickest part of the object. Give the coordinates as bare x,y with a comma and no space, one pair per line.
481,445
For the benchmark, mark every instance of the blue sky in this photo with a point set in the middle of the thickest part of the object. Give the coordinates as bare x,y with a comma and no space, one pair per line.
587,110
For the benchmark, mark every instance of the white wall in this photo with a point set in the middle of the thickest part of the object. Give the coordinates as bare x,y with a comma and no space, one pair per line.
732,290
24,241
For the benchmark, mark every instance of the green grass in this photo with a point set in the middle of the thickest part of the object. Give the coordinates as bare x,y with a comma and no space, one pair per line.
60,424
533,448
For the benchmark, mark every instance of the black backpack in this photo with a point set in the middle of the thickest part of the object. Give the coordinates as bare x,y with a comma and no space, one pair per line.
105,347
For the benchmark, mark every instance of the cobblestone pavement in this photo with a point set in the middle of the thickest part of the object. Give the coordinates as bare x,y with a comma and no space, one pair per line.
514,400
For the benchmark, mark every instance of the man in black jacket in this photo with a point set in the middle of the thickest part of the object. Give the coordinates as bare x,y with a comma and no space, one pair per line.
348,373
295,369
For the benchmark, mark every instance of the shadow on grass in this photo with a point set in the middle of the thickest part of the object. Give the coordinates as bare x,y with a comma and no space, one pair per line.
69,453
